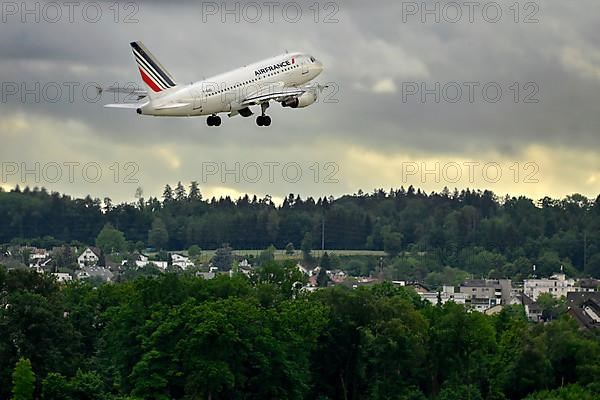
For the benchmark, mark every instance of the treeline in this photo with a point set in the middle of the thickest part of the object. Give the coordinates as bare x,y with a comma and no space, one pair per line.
453,227
181,337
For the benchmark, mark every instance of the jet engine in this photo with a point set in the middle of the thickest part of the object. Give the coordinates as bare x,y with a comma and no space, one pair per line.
305,100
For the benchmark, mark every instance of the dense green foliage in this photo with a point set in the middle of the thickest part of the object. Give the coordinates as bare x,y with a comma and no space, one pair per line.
23,380
470,230
181,337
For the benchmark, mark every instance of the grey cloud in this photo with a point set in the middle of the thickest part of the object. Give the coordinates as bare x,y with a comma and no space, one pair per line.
370,43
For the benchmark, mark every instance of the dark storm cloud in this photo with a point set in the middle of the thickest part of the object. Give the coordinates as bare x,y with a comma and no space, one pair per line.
371,54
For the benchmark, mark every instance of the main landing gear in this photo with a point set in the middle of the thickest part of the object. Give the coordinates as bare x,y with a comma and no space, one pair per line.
214,120
263,120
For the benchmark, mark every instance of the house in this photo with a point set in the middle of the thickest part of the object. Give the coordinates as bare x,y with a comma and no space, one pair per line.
418,287
355,283
532,308
244,267
588,285
181,261
448,293
62,278
162,265
483,294
305,270
585,309
38,255
558,286
39,265
206,275
337,276
142,261
96,272
89,257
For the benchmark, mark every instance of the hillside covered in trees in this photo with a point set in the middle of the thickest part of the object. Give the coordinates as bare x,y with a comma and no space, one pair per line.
472,230
181,337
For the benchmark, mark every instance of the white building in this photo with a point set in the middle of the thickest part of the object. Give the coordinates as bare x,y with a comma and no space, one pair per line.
88,258
96,272
558,286
38,255
304,270
62,278
532,309
448,293
39,265
162,265
143,261
181,261
485,294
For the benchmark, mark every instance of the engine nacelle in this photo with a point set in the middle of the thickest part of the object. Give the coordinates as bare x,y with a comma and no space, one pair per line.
305,100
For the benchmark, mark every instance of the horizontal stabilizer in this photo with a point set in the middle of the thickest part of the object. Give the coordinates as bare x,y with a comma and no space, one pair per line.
124,90
125,105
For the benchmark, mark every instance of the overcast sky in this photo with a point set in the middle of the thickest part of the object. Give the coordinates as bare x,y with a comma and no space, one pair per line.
413,98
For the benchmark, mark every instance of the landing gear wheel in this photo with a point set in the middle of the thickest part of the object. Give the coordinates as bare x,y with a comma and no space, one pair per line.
213,120
263,120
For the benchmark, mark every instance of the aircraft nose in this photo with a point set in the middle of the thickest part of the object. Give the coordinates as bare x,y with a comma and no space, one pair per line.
319,66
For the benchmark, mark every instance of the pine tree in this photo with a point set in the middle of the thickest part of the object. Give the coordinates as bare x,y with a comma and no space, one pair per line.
23,380
289,249
167,194
180,194
195,192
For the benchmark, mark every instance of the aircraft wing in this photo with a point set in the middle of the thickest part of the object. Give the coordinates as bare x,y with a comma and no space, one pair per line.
276,92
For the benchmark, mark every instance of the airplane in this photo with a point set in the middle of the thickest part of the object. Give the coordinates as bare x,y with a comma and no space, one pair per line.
285,79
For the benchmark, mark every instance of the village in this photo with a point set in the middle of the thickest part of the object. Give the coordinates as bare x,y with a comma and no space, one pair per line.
541,298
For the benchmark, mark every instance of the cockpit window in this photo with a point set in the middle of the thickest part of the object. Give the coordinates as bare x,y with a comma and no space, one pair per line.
312,59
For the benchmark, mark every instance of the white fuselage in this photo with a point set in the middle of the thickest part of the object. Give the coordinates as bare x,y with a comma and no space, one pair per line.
224,93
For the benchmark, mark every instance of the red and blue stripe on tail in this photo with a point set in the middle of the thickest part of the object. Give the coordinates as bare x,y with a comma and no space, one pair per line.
154,75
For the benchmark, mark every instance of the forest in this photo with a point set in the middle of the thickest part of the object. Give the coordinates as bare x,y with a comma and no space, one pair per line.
473,231
176,336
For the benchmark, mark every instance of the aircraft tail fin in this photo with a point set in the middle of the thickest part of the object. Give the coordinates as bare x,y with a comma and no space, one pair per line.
154,75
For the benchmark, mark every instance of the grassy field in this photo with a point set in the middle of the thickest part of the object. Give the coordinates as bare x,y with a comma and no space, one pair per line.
281,255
